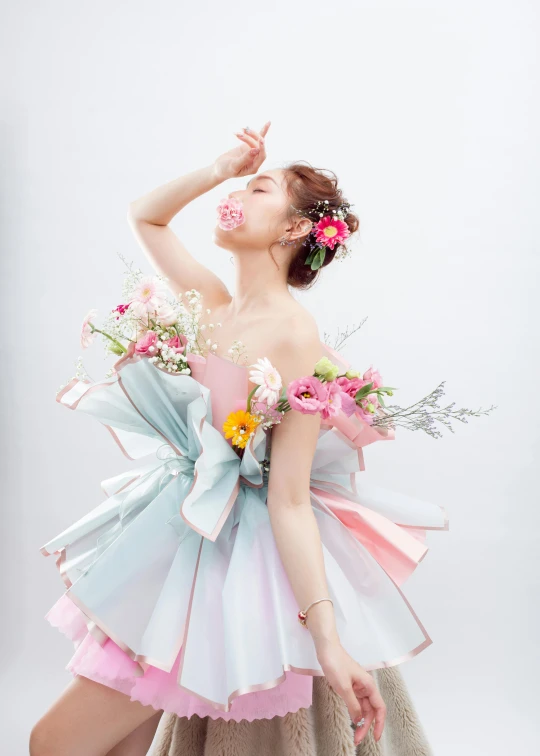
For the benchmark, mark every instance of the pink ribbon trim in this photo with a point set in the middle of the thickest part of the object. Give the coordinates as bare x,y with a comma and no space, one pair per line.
396,549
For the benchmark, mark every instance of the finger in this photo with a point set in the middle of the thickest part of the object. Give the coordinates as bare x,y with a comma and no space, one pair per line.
247,138
264,130
255,135
353,704
375,699
361,732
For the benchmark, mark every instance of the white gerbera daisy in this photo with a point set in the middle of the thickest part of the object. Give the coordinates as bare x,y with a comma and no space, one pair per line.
268,380
148,295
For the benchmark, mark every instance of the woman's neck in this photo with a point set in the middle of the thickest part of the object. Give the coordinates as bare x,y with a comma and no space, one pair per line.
258,285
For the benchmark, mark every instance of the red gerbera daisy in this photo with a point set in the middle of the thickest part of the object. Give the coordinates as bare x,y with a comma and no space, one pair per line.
330,231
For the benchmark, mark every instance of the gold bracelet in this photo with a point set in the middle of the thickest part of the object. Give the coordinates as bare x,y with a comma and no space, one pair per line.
302,615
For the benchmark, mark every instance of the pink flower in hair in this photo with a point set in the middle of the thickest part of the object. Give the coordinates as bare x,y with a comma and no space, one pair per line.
307,395
230,213
330,231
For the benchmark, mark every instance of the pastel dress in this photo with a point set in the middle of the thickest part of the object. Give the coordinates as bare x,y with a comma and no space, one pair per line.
175,592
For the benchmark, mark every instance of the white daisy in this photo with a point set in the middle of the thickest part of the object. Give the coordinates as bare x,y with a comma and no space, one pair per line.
148,295
268,380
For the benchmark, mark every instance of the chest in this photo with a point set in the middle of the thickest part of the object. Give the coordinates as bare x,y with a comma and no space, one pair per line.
240,339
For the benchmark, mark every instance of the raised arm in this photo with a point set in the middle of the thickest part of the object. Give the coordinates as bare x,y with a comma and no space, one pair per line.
149,217
298,538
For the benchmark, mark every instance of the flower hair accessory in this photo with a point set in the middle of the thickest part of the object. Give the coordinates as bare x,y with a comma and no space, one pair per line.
329,231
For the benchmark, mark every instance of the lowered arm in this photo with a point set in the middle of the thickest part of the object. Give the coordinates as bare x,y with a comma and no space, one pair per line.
289,505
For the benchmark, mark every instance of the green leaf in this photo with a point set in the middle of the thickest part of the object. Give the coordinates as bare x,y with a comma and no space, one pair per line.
310,257
319,258
364,391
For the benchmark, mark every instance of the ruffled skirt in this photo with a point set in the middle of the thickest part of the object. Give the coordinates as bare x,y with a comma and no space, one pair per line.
109,665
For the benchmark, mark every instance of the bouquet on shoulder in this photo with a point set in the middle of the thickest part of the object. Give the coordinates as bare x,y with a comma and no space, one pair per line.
168,332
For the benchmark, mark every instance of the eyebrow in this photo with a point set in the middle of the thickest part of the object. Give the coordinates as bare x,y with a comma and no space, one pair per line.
262,176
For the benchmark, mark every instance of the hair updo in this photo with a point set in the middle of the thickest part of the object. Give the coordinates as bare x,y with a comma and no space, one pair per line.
305,185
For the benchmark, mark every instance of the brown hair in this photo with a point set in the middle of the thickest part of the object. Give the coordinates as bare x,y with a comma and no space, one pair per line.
305,185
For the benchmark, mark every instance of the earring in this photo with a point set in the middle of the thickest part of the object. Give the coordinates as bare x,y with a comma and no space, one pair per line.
284,241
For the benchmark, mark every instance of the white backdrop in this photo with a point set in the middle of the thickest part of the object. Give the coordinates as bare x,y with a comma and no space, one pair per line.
428,113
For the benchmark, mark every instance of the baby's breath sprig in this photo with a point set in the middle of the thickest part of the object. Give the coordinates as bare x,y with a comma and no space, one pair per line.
237,350
191,312
420,417
80,374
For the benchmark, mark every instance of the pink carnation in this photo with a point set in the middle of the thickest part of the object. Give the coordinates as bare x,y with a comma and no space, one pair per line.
230,213
307,395
177,343
147,343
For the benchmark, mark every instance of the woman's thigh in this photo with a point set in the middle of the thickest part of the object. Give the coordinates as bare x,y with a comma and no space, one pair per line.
138,742
88,719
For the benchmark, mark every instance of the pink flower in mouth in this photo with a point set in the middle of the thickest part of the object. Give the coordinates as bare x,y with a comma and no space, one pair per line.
147,343
87,335
230,213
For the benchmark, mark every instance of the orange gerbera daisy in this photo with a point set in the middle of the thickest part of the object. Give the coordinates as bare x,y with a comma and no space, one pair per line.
239,426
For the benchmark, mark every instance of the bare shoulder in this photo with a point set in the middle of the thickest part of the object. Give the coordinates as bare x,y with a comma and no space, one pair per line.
295,346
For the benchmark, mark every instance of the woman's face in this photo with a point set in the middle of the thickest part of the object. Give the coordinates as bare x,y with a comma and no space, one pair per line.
264,203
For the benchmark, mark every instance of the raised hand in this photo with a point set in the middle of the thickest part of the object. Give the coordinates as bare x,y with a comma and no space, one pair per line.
245,159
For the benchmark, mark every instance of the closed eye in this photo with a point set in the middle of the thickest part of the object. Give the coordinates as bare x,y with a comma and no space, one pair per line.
259,190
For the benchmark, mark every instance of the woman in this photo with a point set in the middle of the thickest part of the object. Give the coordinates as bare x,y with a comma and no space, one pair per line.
105,710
